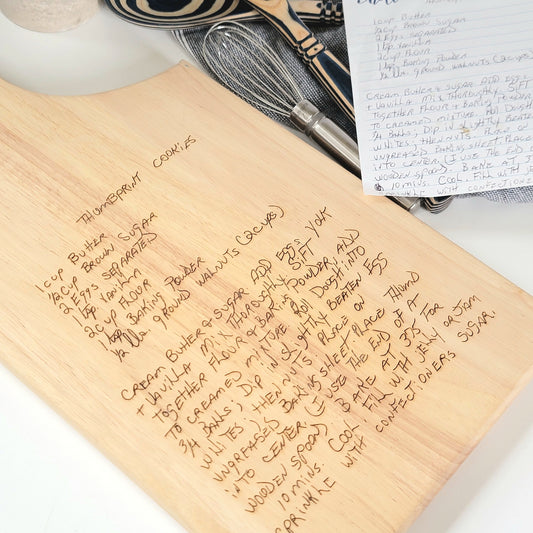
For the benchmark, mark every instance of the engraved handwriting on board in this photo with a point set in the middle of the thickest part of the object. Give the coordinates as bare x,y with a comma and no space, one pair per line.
321,346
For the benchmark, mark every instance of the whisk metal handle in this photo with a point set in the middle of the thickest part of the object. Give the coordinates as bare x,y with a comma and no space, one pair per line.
308,119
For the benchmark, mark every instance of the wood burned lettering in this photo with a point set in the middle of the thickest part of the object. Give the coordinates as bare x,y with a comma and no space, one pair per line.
317,221
183,272
89,246
200,409
296,253
263,268
475,326
167,308
117,195
350,443
207,273
467,318
139,230
171,151
247,236
129,394
139,238
311,271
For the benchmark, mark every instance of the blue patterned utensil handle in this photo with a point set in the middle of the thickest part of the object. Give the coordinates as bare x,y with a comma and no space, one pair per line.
181,14
327,69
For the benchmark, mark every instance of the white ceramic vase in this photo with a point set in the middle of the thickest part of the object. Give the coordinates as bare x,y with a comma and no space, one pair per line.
48,15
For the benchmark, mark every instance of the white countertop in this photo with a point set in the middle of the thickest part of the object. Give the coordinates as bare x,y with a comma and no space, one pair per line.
53,481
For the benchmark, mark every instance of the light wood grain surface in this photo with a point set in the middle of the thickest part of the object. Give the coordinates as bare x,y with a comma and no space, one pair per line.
220,311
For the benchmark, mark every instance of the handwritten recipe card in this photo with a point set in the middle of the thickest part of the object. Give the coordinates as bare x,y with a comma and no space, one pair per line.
443,94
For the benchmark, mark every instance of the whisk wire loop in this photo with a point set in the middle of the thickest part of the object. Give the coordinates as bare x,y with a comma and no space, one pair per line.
250,68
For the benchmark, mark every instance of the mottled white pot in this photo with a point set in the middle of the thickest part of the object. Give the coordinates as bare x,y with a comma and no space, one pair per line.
48,15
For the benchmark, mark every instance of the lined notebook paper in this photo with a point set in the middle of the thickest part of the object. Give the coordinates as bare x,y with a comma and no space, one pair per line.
443,94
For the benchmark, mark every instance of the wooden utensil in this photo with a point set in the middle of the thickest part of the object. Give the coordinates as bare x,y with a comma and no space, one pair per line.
180,14
327,69
220,310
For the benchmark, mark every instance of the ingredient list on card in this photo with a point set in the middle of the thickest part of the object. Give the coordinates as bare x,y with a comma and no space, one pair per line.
443,95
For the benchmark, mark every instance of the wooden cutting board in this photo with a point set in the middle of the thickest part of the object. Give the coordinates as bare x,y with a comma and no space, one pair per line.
219,309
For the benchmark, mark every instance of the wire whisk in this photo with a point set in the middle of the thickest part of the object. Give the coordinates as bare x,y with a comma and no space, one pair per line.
253,70
256,74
